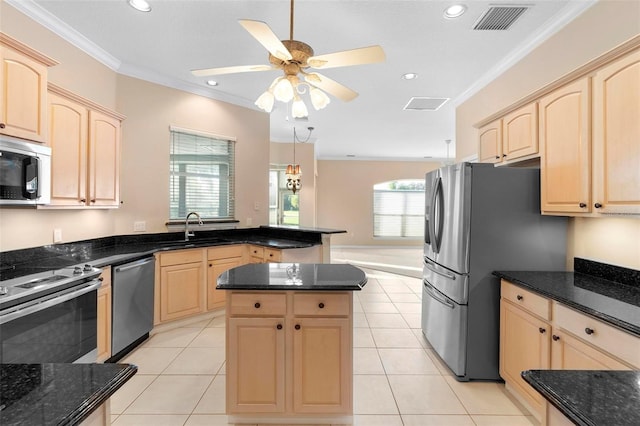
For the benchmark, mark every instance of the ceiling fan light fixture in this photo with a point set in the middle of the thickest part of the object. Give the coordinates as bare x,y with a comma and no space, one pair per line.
283,90
299,109
319,99
140,5
265,101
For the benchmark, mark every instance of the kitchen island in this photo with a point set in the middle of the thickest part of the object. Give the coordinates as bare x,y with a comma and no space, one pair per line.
289,348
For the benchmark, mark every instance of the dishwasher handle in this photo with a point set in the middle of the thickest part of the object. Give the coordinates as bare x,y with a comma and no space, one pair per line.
132,265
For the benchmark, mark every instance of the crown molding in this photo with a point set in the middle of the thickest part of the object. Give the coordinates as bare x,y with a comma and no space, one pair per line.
52,23
568,14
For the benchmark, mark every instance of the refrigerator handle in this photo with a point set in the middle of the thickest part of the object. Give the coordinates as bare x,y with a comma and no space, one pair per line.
432,217
436,223
429,289
428,264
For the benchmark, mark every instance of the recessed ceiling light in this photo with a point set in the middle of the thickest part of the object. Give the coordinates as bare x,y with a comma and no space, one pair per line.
140,5
212,83
455,11
409,76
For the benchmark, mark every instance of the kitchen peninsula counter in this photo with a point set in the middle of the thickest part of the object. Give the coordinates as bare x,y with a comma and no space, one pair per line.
289,350
57,394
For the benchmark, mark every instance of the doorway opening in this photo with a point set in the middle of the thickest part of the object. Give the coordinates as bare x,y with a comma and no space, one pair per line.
284,205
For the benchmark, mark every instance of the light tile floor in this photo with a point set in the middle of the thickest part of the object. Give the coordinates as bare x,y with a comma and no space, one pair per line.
398,379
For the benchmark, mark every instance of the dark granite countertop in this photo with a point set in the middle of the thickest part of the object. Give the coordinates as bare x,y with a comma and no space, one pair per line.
293,276
57,394
127,248
591,398
586,290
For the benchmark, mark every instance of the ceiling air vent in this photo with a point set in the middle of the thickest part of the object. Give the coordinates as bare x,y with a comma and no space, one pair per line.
425,104
499,18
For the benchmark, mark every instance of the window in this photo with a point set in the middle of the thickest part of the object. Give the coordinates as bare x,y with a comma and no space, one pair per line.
398,209
201,175
284,205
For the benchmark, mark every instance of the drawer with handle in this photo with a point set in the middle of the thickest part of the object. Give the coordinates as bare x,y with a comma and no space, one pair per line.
537,305
604,336
321,304
257,304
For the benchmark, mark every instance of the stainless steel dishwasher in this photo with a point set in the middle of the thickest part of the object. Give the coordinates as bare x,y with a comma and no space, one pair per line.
132,304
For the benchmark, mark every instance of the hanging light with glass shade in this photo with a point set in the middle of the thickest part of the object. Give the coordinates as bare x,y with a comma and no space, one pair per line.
294,172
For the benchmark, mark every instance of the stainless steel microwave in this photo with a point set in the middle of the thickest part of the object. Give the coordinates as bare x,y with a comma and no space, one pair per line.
25,172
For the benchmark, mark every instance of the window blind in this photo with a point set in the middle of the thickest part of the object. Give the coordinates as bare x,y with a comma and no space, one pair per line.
202,176
398,213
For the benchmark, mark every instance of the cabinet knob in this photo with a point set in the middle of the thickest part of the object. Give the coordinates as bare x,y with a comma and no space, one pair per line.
583,205
270,254
519,297
279,326
542,330
83,200
93,201
504,155
555,338
589,330
257,305
297,327
2,126
597,205
497,157
210,265
321,305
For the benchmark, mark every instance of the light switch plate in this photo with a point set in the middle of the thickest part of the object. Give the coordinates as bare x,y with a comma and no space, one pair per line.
57,235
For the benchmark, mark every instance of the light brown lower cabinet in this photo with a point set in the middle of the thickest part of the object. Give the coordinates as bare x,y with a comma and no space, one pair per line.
220,259
537,333
287,357
104,316
181,288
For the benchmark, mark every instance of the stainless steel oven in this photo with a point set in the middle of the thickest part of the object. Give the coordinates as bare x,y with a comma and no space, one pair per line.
54,320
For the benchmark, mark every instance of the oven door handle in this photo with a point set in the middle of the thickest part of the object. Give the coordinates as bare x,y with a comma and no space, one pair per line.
19,313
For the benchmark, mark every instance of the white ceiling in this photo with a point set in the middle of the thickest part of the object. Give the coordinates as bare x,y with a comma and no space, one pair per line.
451,60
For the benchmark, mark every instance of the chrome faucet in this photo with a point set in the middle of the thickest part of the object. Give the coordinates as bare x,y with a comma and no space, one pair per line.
188,234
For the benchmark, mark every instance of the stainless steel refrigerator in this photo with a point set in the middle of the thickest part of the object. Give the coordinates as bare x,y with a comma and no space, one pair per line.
478,219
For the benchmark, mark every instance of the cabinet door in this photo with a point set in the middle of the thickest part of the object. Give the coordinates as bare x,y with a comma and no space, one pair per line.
255,365
616,136
524,345
322,365
520,133
570,353
490,147
104,316
216,298
104,160
181,291
23,95
565,160
68,140
272,255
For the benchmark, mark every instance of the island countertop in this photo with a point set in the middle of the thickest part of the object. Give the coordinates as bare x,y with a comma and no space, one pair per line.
293,276
57,394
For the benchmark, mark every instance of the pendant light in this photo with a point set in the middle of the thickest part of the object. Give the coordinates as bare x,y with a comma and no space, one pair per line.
294,172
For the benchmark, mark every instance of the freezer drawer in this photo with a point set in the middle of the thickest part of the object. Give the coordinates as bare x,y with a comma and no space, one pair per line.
444,324
450,283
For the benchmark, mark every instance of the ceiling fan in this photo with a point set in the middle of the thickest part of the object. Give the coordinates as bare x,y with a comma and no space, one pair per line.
295,58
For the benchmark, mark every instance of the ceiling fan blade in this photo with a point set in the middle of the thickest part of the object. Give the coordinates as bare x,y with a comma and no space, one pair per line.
265,36
332,87
363,55
230,70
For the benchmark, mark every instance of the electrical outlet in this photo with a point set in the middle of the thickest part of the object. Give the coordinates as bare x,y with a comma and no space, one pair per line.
139,226
57,235
256,206
249,221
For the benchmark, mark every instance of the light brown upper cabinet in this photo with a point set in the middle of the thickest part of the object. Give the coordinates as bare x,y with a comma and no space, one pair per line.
490,149
85,152
565,149
512,138
23,90
520,133
616,136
